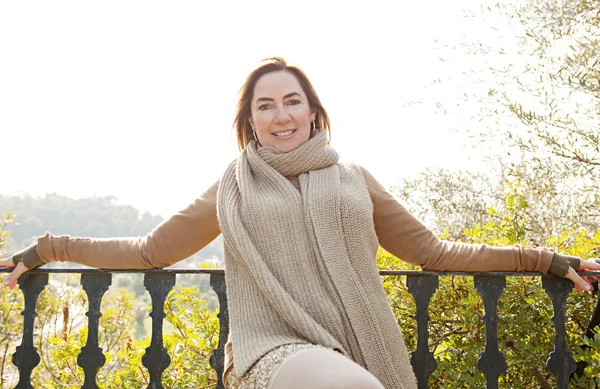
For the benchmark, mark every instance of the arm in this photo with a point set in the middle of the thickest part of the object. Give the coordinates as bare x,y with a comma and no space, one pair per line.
406,237
175,239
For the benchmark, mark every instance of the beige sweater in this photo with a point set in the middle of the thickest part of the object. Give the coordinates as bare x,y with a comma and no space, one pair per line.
191,229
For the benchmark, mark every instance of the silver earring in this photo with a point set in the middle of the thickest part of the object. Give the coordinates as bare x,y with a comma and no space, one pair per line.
313,128
255,138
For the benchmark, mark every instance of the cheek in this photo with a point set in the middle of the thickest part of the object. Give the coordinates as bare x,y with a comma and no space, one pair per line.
260,121
303,117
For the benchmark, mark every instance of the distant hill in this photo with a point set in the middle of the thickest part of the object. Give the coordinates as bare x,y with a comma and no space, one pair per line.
98,217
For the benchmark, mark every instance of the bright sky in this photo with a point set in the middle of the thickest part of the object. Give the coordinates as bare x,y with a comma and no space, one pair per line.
135,98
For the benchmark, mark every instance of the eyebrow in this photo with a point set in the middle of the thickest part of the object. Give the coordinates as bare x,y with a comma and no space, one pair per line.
285,97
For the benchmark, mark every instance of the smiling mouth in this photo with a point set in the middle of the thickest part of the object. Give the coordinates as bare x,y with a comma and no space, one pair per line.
284,134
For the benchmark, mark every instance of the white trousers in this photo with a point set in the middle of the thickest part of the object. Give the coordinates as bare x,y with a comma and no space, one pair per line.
317,368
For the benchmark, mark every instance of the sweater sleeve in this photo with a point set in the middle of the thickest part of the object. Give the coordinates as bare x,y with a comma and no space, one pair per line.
403,235
175,239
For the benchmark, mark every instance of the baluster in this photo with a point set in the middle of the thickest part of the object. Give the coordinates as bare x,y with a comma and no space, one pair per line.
560,363
26,357
157,359
422,360
491,362
217,359
91,358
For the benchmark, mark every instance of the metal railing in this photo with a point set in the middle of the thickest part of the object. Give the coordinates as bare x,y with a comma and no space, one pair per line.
421,284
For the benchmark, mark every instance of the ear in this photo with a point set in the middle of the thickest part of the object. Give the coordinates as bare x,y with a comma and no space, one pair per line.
251,122
313,114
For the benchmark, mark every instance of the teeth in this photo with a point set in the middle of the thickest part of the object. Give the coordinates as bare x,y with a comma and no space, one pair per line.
283,133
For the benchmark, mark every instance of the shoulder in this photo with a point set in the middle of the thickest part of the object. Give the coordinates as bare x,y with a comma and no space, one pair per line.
361,173
376,190
355,169
350,168
359,177
350,171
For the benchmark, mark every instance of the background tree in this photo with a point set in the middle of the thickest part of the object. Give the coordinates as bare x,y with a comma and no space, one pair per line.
529,86
525,329
533,104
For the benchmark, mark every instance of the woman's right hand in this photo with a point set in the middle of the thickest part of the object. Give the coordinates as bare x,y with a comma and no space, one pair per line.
22,261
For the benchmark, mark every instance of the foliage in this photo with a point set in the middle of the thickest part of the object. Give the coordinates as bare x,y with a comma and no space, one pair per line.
533,103
525,329
98,217
60,333
565,38
7,218
195,335
543,69
445,200
455,201
10,303
456,328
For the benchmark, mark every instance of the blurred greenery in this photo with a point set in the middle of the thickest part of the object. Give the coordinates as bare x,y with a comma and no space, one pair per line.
525,329
100,217
190,333
456,329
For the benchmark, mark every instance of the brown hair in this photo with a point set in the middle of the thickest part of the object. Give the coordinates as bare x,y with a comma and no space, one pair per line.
243,110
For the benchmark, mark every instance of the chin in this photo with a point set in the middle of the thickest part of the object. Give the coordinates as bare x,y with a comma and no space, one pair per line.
285,146
286,149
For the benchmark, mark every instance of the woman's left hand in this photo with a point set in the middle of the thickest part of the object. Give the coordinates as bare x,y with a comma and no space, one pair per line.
583,282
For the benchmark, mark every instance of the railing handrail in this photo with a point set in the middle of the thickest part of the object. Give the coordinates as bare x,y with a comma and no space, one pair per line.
185,270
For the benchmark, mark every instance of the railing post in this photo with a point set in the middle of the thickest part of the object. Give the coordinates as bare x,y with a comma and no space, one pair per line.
491,362
424,364
157,359
26,357
560,363
91,358
217,359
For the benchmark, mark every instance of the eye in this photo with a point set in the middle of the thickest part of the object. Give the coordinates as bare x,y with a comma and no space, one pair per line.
264,107
293,102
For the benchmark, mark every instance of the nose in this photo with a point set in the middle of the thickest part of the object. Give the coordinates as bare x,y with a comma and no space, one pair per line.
282,115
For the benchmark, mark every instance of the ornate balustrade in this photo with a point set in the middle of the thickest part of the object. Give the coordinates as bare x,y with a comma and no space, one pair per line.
421,284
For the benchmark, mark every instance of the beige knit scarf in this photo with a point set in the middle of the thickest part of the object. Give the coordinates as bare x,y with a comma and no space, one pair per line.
300,265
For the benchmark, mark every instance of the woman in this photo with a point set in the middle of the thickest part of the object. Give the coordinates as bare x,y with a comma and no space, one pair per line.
306,303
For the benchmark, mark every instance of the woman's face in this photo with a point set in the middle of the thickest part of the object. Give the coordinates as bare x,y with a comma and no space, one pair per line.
281,115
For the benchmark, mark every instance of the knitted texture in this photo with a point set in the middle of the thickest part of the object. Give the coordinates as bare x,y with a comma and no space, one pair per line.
561,263
300,266
28,256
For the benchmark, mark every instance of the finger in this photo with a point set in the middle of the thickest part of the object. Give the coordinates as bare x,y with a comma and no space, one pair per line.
579,286
580,283
589,265
11,280
7,262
